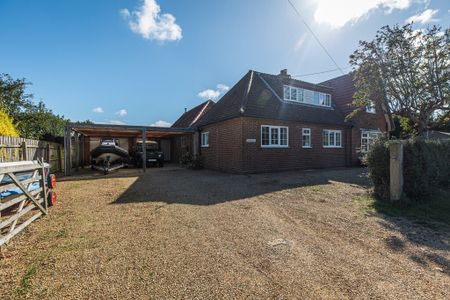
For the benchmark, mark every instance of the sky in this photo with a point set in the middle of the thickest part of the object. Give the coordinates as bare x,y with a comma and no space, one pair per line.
142,62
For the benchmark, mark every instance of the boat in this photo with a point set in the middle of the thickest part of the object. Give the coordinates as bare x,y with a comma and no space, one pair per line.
108,155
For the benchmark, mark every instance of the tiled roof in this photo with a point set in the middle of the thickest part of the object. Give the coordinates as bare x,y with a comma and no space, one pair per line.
260,95
192,116
343,91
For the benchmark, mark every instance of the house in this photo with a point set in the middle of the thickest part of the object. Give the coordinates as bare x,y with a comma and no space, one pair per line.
436,135
185,143
268,123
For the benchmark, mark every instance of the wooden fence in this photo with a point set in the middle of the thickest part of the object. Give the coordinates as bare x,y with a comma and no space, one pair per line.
23,198
19,149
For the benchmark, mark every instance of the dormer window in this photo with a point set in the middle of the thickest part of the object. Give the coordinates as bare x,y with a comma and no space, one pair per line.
294,94
371,108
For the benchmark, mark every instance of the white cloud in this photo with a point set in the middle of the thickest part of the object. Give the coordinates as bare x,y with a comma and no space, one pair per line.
125,13
97,110
338,13
214,94
148,21
112,122
425,17
161,123
121,112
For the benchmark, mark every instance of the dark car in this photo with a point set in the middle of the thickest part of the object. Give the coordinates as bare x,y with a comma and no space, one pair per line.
154,157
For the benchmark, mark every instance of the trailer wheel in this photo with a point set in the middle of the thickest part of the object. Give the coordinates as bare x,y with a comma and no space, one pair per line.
51,198
51,181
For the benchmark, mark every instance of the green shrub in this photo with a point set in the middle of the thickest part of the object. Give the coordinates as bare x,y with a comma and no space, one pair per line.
377,161
426,167
191,161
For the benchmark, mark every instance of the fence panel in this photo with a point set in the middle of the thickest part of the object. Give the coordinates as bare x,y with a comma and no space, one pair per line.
19,149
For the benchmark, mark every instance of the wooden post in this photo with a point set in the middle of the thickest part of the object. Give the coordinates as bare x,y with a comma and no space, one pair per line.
60,159
396,170
47,153
24,151
144,150
67,155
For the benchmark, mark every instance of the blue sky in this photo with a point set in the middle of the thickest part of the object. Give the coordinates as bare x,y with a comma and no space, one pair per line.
144,61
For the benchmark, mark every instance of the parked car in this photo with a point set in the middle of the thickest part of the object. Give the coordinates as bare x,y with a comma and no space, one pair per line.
154,157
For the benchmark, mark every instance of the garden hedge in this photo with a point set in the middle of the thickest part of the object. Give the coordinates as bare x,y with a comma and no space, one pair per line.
426,166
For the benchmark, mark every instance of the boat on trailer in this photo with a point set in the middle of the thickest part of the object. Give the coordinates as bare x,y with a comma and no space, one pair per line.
108,156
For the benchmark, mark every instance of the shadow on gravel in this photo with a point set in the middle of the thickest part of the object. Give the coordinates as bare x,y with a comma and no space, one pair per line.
205,187
426,225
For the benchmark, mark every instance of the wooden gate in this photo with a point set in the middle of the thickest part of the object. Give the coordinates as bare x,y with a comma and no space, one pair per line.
23,196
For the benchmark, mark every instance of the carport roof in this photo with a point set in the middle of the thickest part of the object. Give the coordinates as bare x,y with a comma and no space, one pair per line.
124,131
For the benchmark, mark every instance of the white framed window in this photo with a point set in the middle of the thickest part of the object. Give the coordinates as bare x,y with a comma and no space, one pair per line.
371,108
368,137
332,138
274,136
300,95
205,139
306,138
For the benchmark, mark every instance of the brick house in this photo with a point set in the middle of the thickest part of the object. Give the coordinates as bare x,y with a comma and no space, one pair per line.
268,123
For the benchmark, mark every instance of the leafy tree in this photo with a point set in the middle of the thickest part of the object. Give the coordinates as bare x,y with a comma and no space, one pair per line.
32,120
7,128
13,98
405,72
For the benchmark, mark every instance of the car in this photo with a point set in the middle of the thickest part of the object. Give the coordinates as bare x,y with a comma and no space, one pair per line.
154,157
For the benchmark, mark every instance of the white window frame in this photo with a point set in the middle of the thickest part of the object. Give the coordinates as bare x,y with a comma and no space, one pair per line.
306,96
370,139
204,134
335,144
278,145
306,132
371,108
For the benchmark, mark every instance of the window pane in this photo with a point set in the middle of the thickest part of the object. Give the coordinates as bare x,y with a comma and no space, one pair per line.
325,138
274,136
331,138
287,93
265,136
338,139
283,136
294,94
300,95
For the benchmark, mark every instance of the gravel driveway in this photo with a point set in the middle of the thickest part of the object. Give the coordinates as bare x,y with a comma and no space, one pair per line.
180,234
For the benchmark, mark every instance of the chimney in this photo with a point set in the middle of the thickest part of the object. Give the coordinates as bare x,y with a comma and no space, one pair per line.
185,109
284,73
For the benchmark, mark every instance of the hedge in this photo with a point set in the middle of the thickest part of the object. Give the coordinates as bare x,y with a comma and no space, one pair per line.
426,166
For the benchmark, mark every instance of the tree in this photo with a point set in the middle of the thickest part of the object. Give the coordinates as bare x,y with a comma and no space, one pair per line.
7,128
13,98
405,72
32,120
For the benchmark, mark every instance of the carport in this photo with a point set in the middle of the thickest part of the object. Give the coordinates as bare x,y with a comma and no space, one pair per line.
77,138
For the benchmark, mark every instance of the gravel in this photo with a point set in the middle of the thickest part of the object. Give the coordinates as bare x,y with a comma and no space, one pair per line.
181,234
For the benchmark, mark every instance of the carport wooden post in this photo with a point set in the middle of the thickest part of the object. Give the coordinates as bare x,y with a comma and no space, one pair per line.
144,149
67,155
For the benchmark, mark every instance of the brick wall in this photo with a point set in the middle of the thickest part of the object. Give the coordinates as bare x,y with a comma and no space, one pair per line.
225,146
229,150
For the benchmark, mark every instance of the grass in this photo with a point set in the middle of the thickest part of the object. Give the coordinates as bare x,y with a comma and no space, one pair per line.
25,281
433,213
